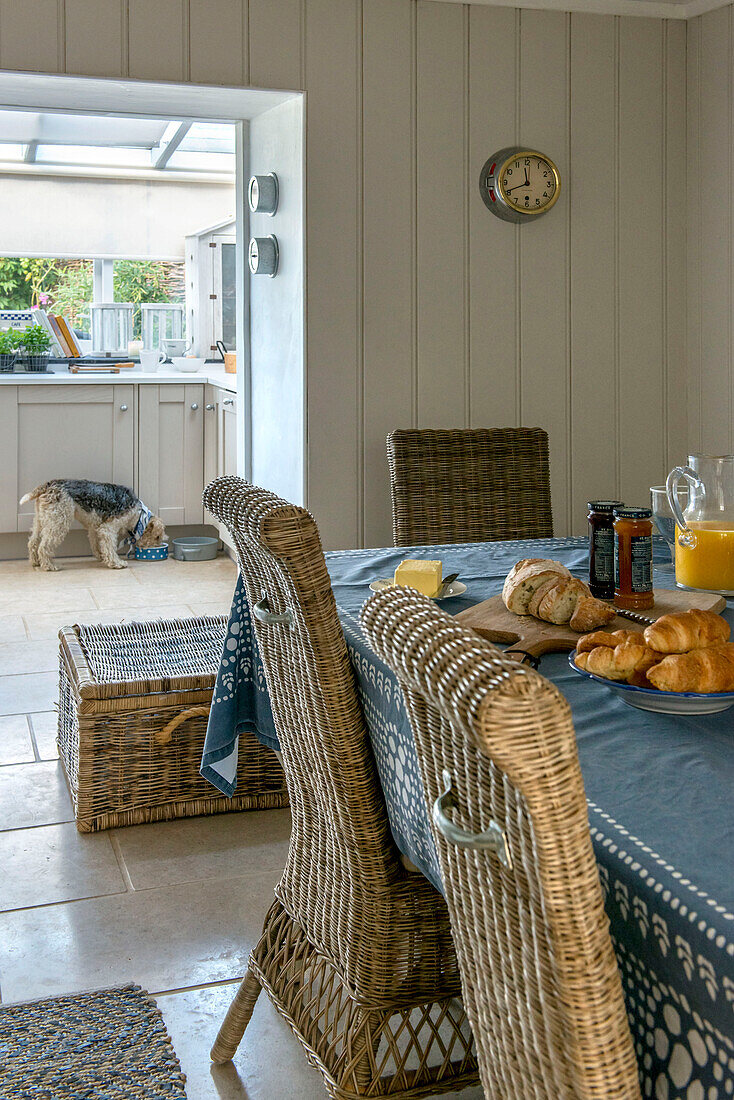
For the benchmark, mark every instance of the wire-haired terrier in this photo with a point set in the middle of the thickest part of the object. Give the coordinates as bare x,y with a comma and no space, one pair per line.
109,513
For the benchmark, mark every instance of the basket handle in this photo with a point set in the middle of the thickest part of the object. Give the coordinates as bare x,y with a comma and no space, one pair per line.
163,736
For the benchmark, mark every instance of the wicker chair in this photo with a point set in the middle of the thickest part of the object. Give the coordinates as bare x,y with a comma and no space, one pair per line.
469,485
540,979
356,953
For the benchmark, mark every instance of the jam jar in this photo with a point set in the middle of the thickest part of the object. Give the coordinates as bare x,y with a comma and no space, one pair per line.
601,547
633,558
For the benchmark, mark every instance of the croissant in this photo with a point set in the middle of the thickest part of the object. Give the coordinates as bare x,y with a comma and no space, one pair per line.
702,670
621,662
685,630
608,638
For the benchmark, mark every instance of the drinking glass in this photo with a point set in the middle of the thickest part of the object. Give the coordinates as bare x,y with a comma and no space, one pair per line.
664,520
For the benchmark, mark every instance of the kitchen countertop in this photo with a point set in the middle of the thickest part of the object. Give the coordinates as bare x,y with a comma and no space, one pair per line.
212,373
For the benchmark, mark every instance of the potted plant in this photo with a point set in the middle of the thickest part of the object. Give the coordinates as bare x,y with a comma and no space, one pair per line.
8,348
35,343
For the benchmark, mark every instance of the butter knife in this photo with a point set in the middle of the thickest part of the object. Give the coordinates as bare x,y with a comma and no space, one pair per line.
444,587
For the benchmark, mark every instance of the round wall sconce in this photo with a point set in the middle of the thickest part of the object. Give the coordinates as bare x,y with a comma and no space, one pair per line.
263,256
262,194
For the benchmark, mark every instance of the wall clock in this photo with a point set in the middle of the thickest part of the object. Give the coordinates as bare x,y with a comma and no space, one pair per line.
518,184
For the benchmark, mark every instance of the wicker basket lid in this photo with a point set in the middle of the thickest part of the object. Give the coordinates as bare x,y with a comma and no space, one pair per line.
143,657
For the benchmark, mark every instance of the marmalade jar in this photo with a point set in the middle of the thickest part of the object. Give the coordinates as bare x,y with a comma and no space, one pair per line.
601,547
633,559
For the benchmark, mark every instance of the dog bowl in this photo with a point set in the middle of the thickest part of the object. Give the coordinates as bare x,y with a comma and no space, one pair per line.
152,553
188,363
195,548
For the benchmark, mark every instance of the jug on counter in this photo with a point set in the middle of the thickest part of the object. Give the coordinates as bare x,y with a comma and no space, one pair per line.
704,531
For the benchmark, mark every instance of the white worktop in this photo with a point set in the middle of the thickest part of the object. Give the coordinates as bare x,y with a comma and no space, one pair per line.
212,373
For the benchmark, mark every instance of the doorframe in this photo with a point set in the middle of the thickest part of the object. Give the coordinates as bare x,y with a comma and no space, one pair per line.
154,99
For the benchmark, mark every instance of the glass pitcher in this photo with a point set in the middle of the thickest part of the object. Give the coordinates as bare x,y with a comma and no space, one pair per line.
704,531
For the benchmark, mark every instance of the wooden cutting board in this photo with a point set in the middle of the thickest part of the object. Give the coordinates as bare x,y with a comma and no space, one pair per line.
494,622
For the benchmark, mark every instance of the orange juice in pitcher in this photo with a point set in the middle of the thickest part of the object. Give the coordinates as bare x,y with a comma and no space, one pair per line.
704,530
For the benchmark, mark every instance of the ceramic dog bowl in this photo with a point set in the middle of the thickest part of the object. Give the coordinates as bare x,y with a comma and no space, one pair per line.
152,553
188,363
195,548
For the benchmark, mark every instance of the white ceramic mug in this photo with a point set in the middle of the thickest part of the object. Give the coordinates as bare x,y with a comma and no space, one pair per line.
176,347
151,360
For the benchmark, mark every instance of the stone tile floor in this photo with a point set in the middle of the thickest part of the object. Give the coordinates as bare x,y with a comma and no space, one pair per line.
173,906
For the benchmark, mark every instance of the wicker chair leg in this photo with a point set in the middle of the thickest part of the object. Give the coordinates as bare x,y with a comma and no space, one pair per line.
236,1020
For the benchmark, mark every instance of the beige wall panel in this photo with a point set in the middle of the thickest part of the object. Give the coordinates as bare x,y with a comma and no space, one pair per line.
493,244
276,43
675,242
713,173
544,249
693,236
94,43
218,41
31,35
593,297
442,232
641,441
388,172
333,269
158,36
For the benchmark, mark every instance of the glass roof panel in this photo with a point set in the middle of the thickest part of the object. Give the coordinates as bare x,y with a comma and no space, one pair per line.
96,142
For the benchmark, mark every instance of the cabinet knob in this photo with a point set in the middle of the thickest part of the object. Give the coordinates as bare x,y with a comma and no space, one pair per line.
229,401
209,408
194,407
123,408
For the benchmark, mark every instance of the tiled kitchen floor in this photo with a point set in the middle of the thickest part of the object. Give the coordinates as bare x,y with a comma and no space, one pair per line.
173,906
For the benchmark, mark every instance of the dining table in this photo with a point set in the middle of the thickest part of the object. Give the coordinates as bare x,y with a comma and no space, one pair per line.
659,788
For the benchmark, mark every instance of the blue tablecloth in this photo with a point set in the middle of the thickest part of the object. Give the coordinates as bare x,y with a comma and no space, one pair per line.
660,792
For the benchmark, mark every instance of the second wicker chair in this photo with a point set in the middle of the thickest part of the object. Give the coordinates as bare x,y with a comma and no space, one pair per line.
469,485
356,953
497,750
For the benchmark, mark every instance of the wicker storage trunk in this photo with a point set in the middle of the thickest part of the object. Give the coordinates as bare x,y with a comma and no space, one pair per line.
134,701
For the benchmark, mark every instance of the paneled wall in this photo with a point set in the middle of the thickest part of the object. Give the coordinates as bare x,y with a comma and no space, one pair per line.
421,307
710,396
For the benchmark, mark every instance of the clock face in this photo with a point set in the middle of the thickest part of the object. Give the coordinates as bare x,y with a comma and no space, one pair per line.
528,183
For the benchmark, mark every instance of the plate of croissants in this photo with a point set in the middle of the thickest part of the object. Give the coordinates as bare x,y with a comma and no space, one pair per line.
681,664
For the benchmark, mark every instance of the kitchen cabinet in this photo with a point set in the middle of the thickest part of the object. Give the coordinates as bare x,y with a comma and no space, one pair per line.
171,451
52,431
165,440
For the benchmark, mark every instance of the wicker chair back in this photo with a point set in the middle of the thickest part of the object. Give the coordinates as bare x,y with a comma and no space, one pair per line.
469,485
386,930
540,979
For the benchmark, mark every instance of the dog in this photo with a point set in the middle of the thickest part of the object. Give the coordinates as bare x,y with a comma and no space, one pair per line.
109,513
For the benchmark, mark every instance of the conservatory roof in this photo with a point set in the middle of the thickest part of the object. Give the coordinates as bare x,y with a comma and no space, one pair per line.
51,142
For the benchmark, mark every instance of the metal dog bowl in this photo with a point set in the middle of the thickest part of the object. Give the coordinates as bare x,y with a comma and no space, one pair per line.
152,553
195,548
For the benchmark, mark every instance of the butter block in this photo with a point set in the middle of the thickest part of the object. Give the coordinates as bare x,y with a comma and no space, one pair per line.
423,575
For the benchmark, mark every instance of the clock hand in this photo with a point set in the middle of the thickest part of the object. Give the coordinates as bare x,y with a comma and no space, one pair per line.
508,189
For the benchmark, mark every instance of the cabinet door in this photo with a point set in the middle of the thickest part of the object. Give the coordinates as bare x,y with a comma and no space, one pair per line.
227,433
171,451
9,495
211,433
84,431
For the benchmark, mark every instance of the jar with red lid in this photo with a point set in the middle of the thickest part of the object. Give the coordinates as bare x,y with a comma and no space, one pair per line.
601,547
633,559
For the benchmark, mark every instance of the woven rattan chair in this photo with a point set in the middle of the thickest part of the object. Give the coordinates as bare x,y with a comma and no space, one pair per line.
497,750
469,485
356,953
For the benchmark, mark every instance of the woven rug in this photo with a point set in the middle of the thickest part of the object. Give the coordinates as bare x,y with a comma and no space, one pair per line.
108,1045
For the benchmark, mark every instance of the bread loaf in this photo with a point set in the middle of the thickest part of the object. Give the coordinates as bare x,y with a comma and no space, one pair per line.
525,578
591,613
545,588
701,670
686,630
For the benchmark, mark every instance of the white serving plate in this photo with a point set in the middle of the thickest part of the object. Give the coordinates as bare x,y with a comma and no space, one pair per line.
456,588
664,702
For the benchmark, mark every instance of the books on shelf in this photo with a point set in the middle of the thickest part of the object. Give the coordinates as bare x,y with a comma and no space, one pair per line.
63,341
